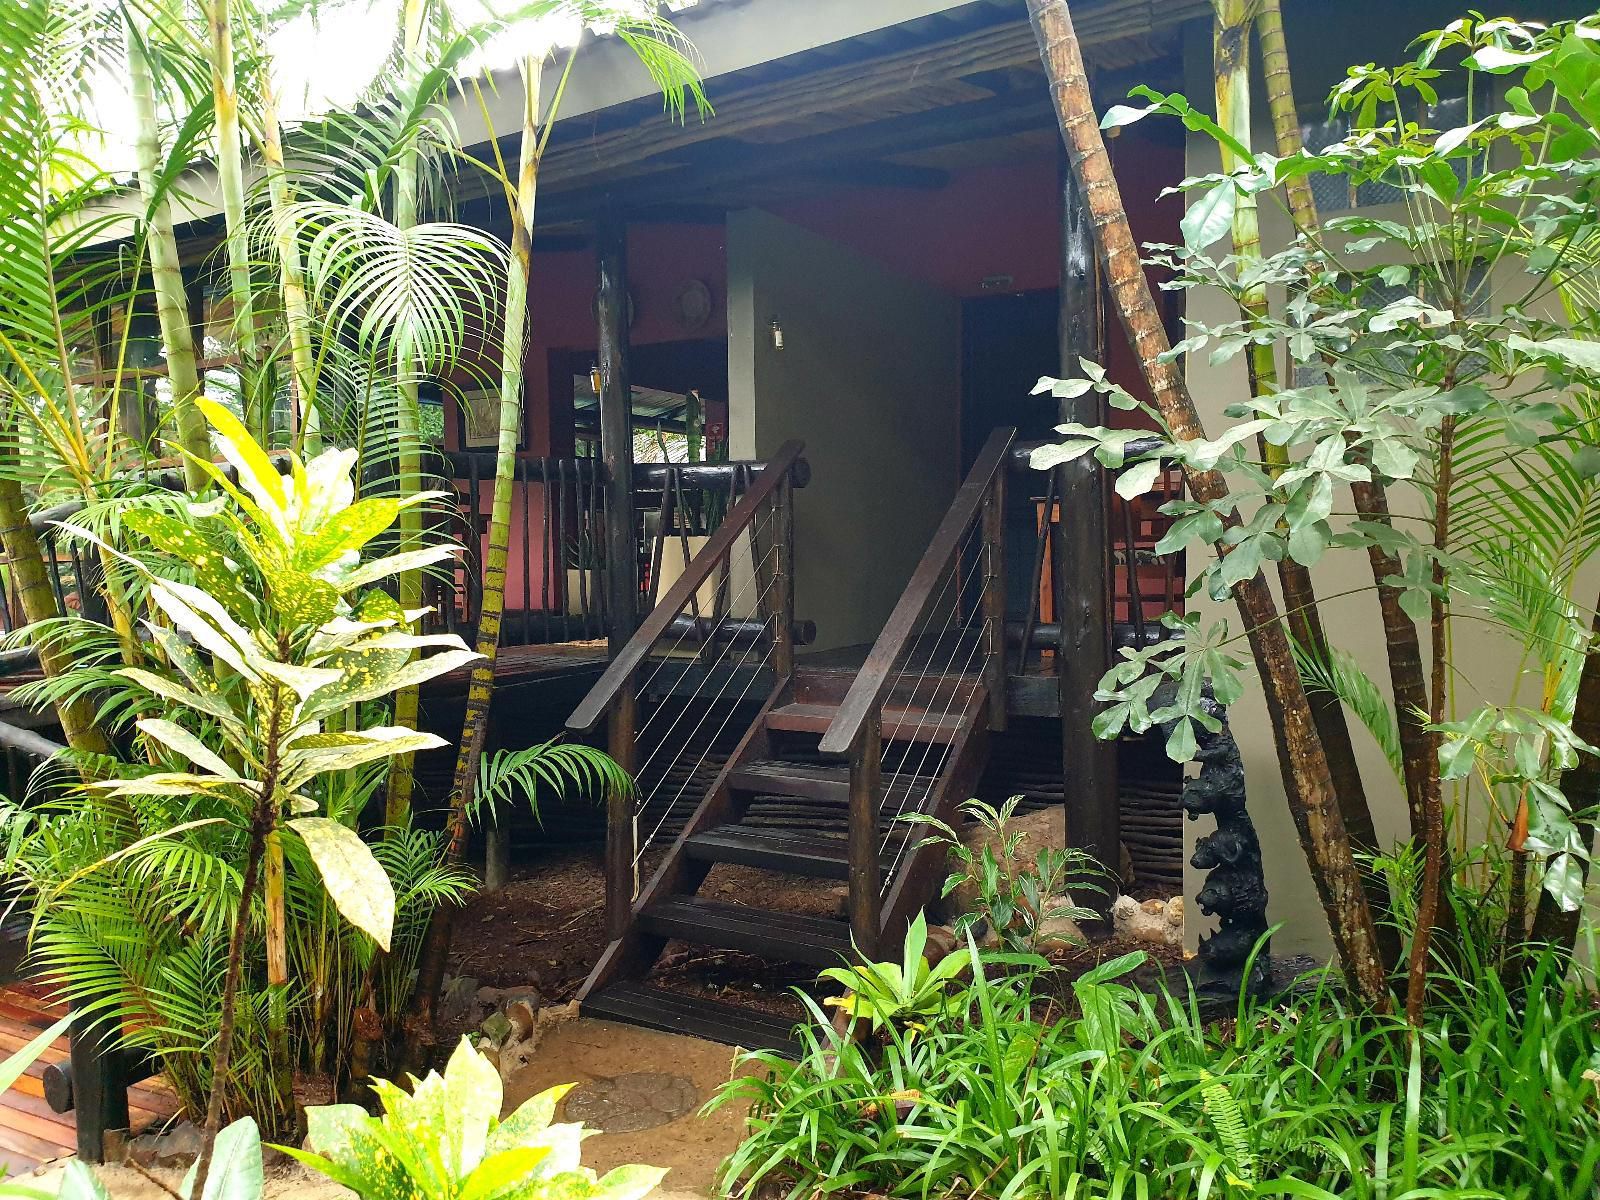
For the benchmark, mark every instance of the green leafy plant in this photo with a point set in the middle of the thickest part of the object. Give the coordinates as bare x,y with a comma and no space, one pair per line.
444,1140
1015,896
906,994
268,666
1120,1092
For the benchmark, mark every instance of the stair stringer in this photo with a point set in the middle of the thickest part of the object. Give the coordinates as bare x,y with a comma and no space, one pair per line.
924,870
635,952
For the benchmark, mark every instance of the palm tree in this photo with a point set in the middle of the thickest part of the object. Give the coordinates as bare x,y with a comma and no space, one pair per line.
1303,762
664,53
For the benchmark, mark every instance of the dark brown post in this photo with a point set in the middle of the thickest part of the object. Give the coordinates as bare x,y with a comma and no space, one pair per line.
621,736
616,429
1082,566
994,599
99,1087
783,570
866,771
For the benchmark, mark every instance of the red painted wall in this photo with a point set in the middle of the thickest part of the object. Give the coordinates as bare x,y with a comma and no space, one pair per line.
988,222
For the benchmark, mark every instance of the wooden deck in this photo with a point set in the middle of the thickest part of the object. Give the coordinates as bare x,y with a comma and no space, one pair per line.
31,1134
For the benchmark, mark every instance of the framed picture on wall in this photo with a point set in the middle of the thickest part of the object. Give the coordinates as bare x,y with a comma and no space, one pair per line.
480,418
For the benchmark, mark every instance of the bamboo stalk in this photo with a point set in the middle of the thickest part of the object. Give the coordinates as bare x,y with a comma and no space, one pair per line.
397,806
1232,59
1301,758
166,273
230,179
30,583
292,277
480,688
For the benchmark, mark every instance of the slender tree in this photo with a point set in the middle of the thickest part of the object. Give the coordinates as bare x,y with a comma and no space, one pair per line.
1302,761
166,273
1232,63
664,53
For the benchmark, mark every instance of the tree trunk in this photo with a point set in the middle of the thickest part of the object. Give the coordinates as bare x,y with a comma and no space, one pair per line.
31,580
1301,759
230,180
1371,500
397,807
1232,60
480,689
166,273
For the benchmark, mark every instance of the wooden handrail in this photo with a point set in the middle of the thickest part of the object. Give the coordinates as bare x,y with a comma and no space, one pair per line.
876,678
699,569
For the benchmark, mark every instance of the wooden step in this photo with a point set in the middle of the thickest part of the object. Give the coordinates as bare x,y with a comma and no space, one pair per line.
899,724
797,851
786,937
692,1016
829,784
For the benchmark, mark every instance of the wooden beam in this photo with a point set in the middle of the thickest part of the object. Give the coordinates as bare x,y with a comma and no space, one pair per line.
1081,571
616,428
573,164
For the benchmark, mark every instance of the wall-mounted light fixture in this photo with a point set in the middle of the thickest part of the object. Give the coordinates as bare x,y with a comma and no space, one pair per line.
777,334
594,378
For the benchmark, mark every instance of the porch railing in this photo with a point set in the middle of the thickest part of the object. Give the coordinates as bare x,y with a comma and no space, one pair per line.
557,584
1142,585
686,688
941,651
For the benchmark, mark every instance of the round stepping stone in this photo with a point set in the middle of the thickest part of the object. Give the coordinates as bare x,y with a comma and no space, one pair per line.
632,1102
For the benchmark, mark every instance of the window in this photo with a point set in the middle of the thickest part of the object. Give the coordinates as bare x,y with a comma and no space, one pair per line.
1338,193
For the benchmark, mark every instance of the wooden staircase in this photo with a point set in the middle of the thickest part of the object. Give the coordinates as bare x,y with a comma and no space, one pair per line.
820,780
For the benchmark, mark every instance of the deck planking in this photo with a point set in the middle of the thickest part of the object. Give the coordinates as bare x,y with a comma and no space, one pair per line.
30,1133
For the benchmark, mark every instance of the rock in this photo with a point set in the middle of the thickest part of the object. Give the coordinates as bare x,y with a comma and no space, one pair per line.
1058,929
178,1147
1044,829
524,1018
941,944
497,1028
1156,922
838,899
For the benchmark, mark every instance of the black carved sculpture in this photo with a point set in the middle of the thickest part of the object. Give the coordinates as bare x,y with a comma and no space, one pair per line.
1235,890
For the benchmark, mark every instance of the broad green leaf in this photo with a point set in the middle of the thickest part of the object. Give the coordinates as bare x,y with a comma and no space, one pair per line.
347,532
356,882
629,1183
503,1174
394,564
205,557
175,737
360,685
1209,217
531,1119
302,764
78,1182
473,1097
167,689
1138,479
235,1165
329,1126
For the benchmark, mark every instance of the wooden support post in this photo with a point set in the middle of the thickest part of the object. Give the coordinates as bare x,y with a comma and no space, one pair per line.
1082,567
783,570
99,1087
621,837
994,600
497,854
616,430
866,884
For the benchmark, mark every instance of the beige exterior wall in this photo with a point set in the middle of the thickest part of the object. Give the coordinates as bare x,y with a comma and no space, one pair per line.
1485,660
869,379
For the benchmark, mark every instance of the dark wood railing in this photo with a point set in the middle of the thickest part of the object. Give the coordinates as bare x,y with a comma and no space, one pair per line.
936,641
1142,584
559,579
689,641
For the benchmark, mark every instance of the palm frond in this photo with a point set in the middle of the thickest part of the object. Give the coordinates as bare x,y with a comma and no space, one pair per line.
553,768
1340,675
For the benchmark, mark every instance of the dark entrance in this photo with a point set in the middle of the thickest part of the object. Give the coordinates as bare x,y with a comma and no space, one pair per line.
1007,343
